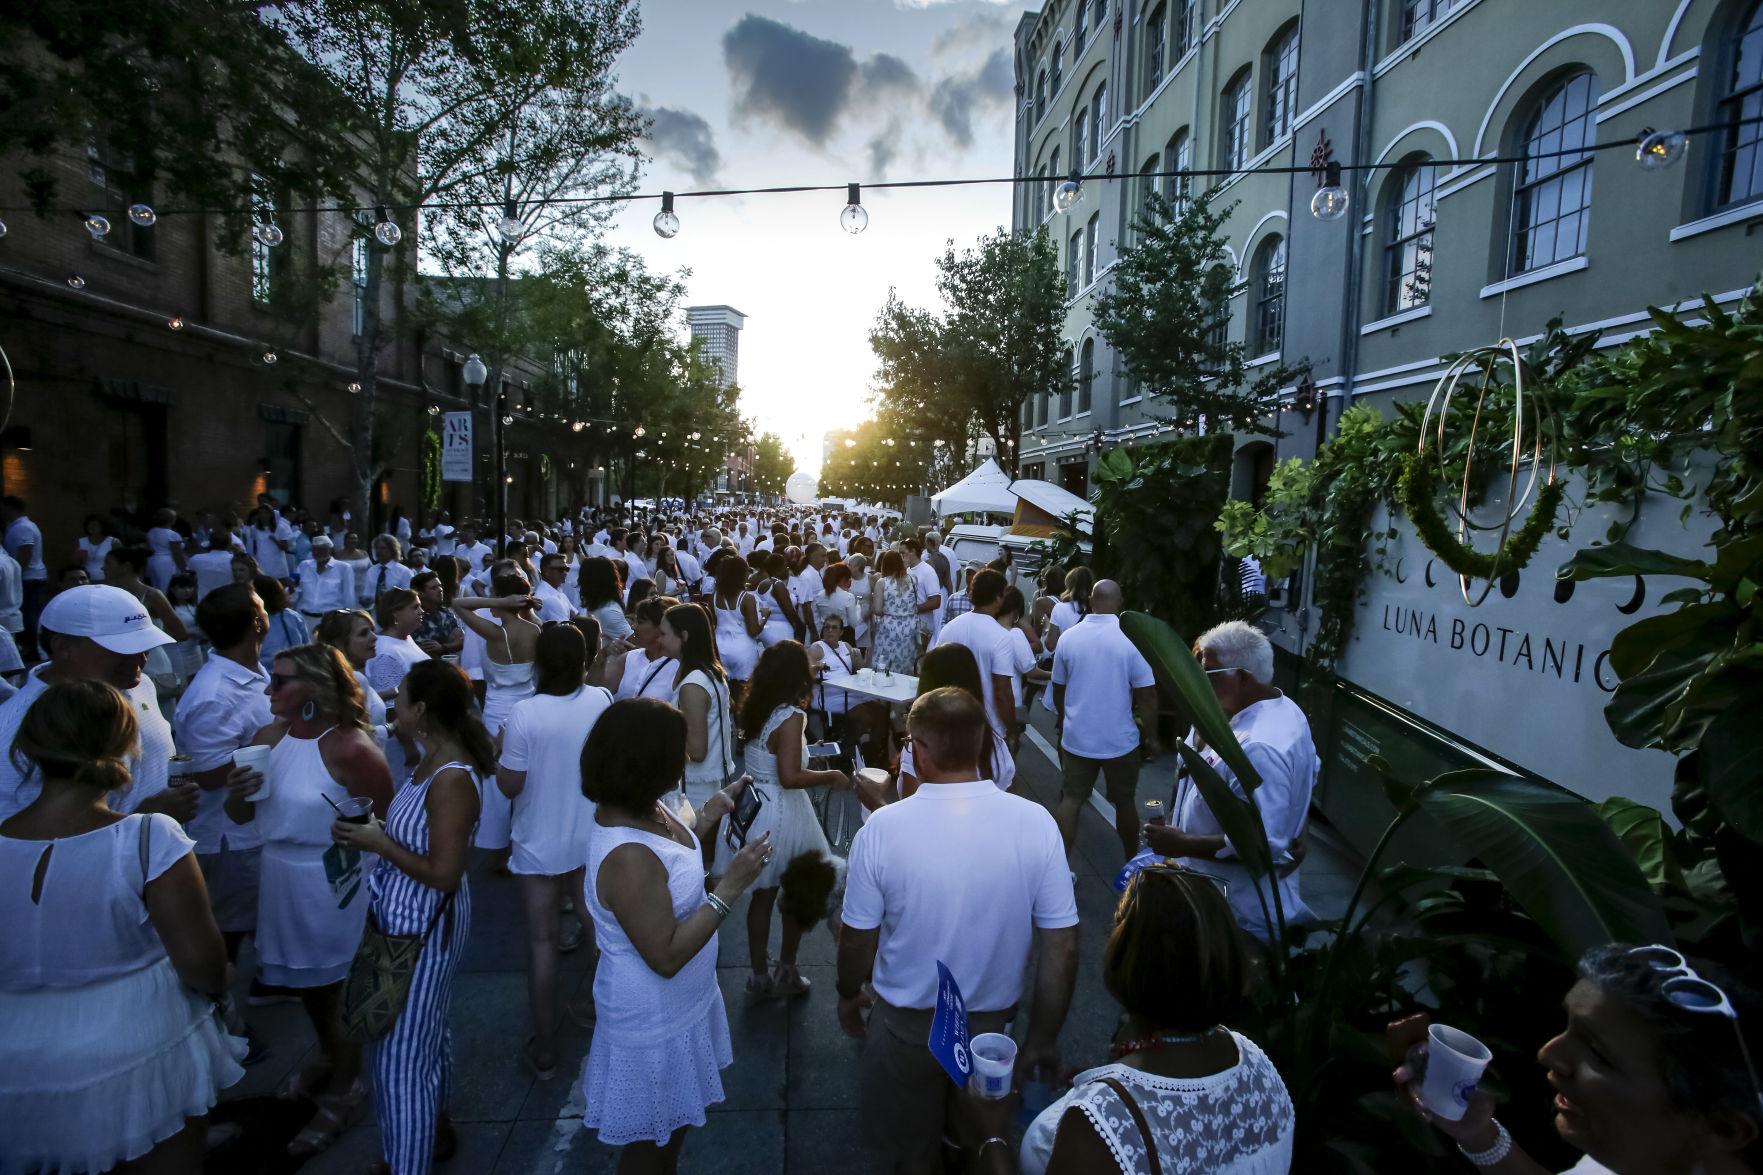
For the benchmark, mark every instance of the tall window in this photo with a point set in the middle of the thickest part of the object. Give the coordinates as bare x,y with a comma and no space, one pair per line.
1098,121
1420,15
263,258
1554,196
1080,141
1147,185
1045,401
1086,374
1058,65
1281,71
1408,256
1100,8
359,275
1233,138
1092,244
1178,157
1039,203
1741,147
1053,177
1185,12
1268,326
1081,29
1065,396
1040,96
1073,264
1155,29
111,169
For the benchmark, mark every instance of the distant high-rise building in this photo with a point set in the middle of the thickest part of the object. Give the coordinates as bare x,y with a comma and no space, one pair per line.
719,328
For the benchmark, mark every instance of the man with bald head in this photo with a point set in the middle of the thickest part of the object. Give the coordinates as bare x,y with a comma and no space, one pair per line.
1099,680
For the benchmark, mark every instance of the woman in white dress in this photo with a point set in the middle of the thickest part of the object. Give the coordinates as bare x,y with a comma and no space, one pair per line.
540,775
774,727
351,632
93,545
1073,605
662,1033
860,586
111,963
357,560
775,605
509,676
1210,1098
737,619
701,691
167,546
311,905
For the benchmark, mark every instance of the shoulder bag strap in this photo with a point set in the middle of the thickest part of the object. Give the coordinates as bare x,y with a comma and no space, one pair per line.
1138,1119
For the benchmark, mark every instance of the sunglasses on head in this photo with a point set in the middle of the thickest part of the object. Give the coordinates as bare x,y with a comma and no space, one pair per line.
1168,866
1689,992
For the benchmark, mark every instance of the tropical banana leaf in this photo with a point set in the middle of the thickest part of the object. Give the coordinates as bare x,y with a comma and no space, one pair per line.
1731,766
1647,837
1172,659
1240,819
1615,559
1561,862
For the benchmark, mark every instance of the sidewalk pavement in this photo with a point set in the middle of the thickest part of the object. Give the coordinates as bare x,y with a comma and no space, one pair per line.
791,1094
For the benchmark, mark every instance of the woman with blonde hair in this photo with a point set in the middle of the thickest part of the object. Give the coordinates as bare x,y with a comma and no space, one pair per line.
311,906
111,963
351,632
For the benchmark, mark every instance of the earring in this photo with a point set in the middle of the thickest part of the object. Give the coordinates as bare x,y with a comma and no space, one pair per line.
309,711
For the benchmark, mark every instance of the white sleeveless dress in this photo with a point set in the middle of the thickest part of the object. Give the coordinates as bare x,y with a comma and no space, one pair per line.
705,778
777,625
504,686
659,1044
737,650
311,906
787,813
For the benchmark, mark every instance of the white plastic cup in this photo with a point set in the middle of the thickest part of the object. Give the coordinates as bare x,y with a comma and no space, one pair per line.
1454,1064
994,1057
257,759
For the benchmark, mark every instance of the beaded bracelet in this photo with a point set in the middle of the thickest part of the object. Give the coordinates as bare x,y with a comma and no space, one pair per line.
721,907
1494,1154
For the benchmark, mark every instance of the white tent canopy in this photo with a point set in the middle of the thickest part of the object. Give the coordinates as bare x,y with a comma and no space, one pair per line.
986,488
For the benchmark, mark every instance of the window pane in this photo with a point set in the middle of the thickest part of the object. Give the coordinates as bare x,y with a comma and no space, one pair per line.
1408,261
1282,86
1741,162
1554,191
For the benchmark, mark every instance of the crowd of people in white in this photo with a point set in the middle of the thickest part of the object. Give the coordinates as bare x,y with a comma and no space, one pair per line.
222,730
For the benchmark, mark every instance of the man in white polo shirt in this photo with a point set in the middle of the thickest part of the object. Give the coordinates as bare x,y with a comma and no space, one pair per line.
325,584
929,588
1099,679
995,652
966,875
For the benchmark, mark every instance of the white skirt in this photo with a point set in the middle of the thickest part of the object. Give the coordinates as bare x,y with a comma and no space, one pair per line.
645,1092
495,821
788,814
93,1076
307,932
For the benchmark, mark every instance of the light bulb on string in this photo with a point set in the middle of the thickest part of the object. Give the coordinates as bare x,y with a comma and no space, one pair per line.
77,282
855,218
269,357
434,409
512,229
1069,192
2,230
175,323
666,224
142,215
268,233
576,427
1656,150
354,389
507,420
1331,200
97,225
384,230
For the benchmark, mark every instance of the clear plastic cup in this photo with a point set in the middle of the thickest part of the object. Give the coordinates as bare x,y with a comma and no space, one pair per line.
994,1057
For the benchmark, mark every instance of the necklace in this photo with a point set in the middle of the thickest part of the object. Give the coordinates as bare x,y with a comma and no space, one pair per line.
1122,1049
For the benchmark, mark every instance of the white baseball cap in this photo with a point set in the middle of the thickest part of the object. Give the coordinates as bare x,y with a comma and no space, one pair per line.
110,616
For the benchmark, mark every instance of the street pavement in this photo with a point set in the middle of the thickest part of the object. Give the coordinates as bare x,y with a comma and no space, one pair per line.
791,1094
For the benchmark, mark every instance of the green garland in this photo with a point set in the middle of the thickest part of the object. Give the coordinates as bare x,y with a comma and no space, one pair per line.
1435,533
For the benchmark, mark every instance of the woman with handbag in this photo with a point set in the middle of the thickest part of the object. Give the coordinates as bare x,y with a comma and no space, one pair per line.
1185,1092
111,963
402,978
310,908
540,773
701,691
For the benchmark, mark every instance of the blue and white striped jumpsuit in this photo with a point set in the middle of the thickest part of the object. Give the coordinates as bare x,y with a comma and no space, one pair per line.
412,1066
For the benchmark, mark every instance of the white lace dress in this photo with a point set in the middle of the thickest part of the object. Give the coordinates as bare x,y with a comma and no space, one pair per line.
1238,1122
788,813
659,1044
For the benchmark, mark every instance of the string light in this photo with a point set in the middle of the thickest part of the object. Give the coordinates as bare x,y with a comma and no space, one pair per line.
269,357
142,215
666,224
1656,150
854,219
267,233
1069,192
354,389
97,225
384,230
175,323
1330,201
512,229
77,282
2,230
434,409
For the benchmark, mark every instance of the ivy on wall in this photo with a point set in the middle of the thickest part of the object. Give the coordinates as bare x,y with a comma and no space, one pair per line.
429,492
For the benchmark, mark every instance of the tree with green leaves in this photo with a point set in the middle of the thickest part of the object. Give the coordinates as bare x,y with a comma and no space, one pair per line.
877,462
967,371
772,464
1167,313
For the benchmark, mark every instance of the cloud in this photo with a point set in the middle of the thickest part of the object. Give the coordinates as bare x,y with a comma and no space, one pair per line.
957,101
977,31
883,149
686,139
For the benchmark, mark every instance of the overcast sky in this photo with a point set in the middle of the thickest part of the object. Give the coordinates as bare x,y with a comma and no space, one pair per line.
782,92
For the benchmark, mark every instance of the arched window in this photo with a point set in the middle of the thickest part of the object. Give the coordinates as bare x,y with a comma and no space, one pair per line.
1040,194
1080,141
1280,68
1233,137
1268,324
1098,122
1073,266
1081,29
1040,96
1054,176
1554,191
1741,146
1184,26
1065,396
1147,185
1044,408
1411,209
1156,28
1092,245
1058,65
1179,156
1420,15
1086,374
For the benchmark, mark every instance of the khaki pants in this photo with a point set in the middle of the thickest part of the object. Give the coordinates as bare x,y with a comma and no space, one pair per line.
906,1095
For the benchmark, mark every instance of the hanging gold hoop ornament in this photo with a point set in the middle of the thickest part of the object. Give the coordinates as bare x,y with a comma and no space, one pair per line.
1513,550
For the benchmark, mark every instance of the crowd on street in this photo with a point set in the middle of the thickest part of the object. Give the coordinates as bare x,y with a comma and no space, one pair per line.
300,730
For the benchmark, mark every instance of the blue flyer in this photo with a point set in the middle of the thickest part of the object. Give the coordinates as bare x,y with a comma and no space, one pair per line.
948,1028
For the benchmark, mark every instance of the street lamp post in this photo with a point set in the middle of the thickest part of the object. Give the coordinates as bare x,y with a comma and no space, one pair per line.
475,375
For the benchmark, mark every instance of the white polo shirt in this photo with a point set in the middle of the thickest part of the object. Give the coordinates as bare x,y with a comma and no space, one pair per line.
149,766
924,577
1099,668
266,547
990,644
962,873
224,707
327,590
553,602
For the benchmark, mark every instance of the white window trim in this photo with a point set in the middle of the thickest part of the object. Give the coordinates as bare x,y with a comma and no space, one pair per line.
1737,214
1255,161
1408,48
1081,415
1263,360
1533,276
1397,319
1134,400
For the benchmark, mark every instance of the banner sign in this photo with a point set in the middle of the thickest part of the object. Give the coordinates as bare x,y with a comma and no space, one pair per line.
456,446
